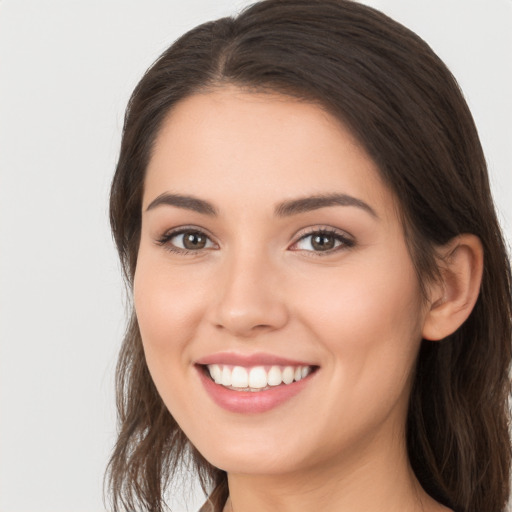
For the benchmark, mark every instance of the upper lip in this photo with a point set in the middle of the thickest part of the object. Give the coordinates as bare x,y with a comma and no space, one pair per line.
247,360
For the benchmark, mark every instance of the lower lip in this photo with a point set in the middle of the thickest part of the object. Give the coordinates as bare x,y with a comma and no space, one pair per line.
250,402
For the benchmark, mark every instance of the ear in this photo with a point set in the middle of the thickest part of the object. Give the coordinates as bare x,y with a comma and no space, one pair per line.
452,299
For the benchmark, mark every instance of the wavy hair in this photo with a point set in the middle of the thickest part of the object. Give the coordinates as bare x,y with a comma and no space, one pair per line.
405,108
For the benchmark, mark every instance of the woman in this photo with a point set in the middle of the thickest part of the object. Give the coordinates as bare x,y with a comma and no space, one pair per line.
321,291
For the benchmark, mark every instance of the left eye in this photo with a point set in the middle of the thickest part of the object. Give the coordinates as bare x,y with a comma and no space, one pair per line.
189,241
321,241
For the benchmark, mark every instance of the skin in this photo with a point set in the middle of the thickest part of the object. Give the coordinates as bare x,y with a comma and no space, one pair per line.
258,286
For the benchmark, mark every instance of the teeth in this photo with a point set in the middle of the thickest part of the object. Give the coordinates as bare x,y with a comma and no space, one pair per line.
275,376
225,379
239,377
257,377
216,373
288,375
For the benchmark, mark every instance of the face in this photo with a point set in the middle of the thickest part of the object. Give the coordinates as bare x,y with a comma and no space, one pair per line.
277,302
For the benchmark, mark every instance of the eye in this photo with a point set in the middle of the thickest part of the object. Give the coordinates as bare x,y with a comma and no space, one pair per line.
186,240
323,241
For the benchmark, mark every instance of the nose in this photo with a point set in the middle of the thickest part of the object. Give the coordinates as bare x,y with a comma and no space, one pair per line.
250,299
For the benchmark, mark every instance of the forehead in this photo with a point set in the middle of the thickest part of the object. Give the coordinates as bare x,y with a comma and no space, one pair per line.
232,146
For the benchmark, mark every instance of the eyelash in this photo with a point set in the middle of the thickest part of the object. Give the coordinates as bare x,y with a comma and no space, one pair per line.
344,241
167,237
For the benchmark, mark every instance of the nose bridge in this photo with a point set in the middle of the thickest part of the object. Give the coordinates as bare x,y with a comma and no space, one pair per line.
248,300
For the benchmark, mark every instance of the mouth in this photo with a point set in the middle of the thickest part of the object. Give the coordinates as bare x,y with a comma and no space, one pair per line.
255,383
256,378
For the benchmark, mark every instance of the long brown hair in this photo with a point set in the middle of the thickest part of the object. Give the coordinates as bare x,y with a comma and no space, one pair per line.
406,109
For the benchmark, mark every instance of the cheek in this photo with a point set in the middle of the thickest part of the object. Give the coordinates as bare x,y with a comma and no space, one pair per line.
380,293
169,304
368,316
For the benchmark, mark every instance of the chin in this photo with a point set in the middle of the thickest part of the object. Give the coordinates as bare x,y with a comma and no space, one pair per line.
260,462
255,452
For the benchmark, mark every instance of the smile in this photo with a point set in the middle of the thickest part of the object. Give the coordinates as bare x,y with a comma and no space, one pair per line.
256,378
248,384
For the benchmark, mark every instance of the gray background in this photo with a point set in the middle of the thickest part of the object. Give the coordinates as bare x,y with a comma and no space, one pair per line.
66,70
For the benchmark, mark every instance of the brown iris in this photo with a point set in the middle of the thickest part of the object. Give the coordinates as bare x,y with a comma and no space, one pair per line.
323,242
194,240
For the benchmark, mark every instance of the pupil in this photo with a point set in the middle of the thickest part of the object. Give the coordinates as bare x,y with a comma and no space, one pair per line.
323,242
194,241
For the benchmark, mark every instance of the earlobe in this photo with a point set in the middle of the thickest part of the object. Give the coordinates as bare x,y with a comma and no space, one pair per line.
453,297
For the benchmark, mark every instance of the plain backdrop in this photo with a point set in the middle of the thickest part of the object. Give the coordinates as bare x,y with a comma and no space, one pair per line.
67,68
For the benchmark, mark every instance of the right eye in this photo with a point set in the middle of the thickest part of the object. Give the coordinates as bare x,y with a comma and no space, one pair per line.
184,241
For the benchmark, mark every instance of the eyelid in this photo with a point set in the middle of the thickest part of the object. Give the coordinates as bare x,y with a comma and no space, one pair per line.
164,239
347,240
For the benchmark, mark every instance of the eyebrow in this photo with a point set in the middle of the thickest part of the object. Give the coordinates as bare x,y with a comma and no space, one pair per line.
306,204
187,202
284,209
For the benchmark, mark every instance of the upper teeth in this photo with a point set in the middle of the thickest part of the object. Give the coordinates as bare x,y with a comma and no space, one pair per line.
256,377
